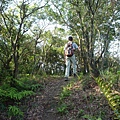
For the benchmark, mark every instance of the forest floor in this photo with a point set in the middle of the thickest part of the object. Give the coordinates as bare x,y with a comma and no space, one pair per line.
68,100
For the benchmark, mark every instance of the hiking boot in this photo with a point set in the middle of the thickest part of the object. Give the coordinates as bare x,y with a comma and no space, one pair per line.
74,75
66,78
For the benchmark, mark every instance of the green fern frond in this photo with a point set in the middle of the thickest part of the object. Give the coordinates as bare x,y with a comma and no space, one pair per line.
14,111
113,99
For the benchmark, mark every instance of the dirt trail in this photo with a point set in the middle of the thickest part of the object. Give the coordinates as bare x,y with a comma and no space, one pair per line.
84,102
43,105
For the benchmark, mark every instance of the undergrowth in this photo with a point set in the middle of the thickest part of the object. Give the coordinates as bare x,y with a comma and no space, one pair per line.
11,97
107,84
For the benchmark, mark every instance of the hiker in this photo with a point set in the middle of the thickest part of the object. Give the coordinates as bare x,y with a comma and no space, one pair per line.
69,56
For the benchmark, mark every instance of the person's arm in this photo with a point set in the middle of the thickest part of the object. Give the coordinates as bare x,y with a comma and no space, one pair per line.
75,47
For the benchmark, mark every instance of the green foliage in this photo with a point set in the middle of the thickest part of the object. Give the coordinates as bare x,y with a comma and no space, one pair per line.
36,87
80,113
2,106
15,111
17,45
110,77
13,95
28,84
112,97
65,92
62,108
88,117
19,95
80,76
118,72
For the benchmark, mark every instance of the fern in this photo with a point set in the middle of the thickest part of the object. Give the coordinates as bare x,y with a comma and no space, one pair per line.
20,90
2,93
21,95
28,85
36,87
113,99
15,111
14,94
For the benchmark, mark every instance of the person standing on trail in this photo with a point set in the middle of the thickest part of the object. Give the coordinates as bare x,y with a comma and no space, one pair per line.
69,56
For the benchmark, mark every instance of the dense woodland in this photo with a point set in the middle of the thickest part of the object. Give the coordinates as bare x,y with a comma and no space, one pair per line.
32,38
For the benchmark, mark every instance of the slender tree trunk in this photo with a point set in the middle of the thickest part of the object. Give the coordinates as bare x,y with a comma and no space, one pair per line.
15,71
92,62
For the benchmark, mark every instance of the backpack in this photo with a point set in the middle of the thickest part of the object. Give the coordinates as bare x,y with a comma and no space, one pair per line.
69,50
